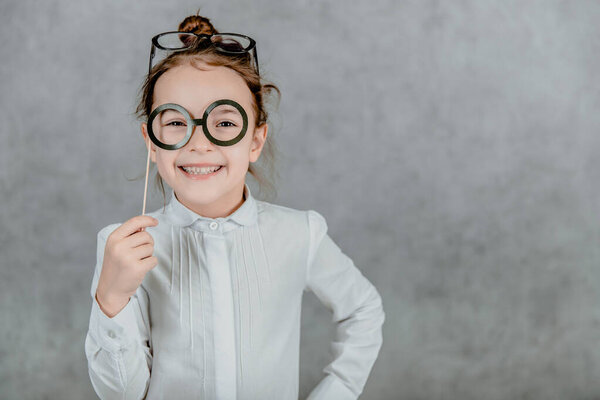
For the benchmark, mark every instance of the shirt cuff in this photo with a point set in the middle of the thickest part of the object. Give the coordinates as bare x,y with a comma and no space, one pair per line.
331,388
117,332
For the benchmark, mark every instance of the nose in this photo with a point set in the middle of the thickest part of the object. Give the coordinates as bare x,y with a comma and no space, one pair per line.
199,141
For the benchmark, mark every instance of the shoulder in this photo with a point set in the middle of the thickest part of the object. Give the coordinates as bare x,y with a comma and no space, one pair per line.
270,214
309,219
267,208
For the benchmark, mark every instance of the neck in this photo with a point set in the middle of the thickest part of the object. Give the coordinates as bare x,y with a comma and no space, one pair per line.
219,209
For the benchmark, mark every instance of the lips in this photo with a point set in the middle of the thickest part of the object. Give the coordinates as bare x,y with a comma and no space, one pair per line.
200,176
200,165
218,168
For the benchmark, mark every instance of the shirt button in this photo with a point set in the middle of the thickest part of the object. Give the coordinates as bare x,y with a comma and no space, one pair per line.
214,225
112,334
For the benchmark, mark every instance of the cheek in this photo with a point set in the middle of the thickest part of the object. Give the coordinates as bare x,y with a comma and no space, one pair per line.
165,162
238,155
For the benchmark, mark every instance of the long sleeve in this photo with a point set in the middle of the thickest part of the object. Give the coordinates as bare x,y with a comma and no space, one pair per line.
118,349
357,312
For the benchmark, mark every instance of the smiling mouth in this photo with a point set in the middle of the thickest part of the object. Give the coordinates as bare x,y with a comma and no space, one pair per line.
200,171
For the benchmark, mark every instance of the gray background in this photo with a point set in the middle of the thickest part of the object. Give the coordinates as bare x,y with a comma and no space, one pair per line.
452,146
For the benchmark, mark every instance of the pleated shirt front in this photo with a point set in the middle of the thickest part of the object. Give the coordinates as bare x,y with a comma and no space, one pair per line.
219,316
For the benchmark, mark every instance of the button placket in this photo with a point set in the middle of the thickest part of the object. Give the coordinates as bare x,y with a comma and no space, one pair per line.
218,268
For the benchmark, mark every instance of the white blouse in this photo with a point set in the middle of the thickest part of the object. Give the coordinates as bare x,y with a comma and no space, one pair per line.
219,316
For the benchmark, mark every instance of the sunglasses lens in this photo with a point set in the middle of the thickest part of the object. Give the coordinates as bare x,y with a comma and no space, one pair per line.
231,43
176,40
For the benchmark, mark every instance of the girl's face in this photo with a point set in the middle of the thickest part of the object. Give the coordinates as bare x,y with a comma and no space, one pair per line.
220,193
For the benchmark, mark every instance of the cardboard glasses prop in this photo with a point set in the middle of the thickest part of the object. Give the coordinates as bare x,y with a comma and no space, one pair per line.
224,123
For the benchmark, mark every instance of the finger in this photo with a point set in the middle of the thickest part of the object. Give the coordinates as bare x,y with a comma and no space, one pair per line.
149,263
133,225
142,251
137,239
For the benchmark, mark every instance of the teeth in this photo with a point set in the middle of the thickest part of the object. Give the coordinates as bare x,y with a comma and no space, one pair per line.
203,170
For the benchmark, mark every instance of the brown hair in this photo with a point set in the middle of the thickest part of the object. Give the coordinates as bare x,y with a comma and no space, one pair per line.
266,173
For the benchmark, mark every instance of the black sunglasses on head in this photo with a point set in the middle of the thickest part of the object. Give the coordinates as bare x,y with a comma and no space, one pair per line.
229,43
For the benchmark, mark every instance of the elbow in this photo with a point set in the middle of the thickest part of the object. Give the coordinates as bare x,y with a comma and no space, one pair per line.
105,386
374,305
367,318
115,378
378,315
381,312
373,310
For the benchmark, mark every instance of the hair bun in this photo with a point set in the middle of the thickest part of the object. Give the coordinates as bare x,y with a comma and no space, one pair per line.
197,24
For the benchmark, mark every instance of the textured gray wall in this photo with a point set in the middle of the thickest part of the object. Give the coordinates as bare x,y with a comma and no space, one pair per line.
452,146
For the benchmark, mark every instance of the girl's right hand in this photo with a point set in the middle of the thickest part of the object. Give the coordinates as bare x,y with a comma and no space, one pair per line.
127,259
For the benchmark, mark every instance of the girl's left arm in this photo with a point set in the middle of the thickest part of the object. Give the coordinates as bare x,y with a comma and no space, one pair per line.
357,312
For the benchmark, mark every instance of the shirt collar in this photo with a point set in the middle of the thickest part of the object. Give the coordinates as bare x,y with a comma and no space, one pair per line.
180,215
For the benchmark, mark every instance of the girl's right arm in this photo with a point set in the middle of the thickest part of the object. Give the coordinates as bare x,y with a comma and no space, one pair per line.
118,343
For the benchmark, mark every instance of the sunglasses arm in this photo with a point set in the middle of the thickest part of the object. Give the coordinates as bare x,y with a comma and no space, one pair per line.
151,57
256,60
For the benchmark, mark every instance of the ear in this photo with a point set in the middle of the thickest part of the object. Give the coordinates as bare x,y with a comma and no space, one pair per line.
144,129
258,141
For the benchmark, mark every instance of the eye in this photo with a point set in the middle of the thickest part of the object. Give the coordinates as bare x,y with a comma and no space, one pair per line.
175,123
226,122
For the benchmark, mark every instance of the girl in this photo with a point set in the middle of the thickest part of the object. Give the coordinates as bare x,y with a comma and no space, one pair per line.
202,299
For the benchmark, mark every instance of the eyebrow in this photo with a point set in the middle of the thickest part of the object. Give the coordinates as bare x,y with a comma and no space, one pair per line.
221,110
227,111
